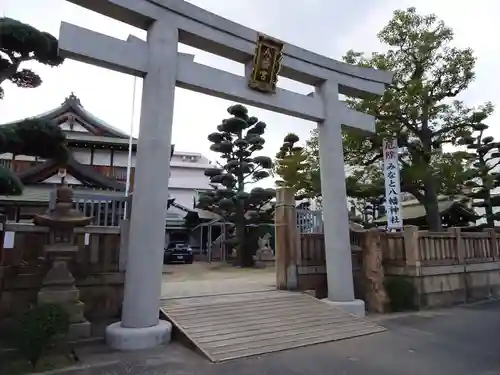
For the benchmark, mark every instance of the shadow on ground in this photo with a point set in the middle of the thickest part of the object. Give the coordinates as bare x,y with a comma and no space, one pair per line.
458,341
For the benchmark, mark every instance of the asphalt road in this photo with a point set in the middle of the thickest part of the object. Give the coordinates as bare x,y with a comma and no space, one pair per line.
458,341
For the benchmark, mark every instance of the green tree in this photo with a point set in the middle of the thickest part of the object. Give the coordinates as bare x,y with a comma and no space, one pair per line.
366,189
291,165
30,137
237,139
20,43
484,153
312,151
419,107
298,166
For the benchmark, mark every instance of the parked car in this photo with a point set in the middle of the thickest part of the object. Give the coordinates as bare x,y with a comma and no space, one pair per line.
178,252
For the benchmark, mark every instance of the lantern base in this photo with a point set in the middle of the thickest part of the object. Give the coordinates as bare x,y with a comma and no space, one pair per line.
80,330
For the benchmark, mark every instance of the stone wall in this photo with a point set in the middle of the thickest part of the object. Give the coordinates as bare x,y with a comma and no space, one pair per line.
447,285
97,267
445,268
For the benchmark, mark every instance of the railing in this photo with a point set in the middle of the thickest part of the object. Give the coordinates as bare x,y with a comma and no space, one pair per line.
356,239
412,246
105,209
19,165
118,173
480,246
310,221
312,250
393,247
6,163
440,248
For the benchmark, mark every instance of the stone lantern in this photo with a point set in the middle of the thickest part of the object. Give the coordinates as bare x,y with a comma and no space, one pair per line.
58,285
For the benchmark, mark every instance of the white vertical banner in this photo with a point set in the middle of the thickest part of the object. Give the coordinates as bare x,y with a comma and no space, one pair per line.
392,184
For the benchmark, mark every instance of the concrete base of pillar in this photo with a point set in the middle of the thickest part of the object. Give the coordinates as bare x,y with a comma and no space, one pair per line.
356,307
127,339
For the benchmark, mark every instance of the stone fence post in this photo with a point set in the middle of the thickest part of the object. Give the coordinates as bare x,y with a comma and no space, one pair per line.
373,273
411,247
460,249
287,239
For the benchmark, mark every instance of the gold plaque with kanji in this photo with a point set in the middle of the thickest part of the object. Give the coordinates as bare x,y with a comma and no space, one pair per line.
266,64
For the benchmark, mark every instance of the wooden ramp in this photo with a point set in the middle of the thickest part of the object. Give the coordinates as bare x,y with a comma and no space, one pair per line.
241,325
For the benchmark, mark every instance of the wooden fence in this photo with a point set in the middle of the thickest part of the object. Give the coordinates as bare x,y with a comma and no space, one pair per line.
411,245
310,221
97,266
440,248
105,209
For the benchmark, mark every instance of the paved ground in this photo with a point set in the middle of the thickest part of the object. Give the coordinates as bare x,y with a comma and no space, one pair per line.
459,341
202,279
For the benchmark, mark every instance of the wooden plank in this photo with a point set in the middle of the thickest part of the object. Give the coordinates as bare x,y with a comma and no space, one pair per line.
250,324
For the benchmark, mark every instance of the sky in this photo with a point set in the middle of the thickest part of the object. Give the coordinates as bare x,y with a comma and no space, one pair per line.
328,27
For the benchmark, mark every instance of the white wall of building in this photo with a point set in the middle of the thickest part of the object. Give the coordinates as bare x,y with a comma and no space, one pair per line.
70,180
102,157
75,127
184,197
120,159
82,156
187,178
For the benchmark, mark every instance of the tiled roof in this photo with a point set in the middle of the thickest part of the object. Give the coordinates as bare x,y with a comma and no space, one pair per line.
416,211
72,104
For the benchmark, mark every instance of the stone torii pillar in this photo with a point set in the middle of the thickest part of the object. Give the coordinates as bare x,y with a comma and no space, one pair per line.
169,22
334,203
140,326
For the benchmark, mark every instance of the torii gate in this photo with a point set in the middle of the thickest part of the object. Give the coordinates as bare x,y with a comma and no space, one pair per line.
169,22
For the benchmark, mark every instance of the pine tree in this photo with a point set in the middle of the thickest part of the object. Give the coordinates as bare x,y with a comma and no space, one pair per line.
237,140
30,137
20,43
484,153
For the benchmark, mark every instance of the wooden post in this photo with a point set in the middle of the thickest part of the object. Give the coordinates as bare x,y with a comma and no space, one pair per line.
459,245
3,219
287,239
373,273
493,243
413,260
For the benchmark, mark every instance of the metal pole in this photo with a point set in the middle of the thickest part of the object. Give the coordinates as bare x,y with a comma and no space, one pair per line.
210,243
129,161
